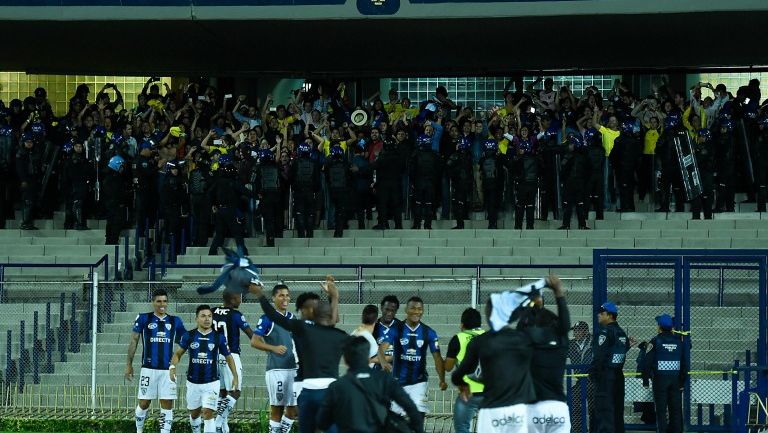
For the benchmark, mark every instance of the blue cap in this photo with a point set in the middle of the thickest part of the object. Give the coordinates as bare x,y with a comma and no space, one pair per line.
664,321
609,307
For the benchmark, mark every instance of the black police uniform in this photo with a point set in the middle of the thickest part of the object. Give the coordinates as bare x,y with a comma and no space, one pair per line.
268,182
77,174
113,195
492,176
459,168
625,157
526,172
670,169
200,203
665,363
761,169
550,150
339,179
575,173
173,202
304,176
7,167
29,172
389,167
726,170
611,348
425,168
225,194
145,186
705,160
595,180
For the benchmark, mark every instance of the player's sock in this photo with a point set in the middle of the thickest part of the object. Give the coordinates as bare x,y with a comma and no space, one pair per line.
286,424
195,423
141,416
231,401
166,420
209,426
221,406
275,427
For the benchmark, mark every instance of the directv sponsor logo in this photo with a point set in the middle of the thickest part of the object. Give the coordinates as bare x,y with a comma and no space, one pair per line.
509,420
159,340
549,420
202,361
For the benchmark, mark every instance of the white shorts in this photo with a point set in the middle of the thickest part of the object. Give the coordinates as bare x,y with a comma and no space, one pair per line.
225,375
205,395
418,394
550,416
280,387
297,387
156,384
508,419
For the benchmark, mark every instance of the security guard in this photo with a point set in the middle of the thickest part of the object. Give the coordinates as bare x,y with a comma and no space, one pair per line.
761,171
425,171
389,167
304,176
625,156
526,172
29,172
705,159
471,393
595,182
267,181
492,175
670,169
225,195
575,172
459,167
339,179
665,362
610,352
114,189
174,195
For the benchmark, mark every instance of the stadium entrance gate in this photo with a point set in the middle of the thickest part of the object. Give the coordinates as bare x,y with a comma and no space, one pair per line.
718,299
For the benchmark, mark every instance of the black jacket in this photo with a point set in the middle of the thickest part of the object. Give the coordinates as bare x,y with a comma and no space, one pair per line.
348,407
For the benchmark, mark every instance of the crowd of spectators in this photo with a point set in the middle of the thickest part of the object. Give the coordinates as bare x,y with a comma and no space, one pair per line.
194,158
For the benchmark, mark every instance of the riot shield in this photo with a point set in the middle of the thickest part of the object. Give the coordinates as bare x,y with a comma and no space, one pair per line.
558,188
50,159
688,168
745,150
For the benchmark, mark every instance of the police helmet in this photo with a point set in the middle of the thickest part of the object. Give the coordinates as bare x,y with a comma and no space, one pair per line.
576,141
117,138
526,146
37,128
628,126
6,131
40,93
68,147
726,124
15,103
491,145
337,152
228,169
390,145
116,162
705,133
424,142
264,155
145,144
99,131
304,149
672,120
724,115
589,135
225,160
28,136
550,133
463,144
763,121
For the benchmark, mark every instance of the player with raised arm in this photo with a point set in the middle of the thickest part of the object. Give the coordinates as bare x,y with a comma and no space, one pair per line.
204,347
158,332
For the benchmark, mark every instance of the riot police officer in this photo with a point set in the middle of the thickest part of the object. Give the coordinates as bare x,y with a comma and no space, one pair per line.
459,168
225,195
550,168
670,168
761,171
492,176
575,171
78,172
304,177
705,160
625,157
726,164
113,196
268,183
338,178
389,167
595,189
665,363
424,173
607,372
200,179
173,204
526,172
7,148
145,188
28,169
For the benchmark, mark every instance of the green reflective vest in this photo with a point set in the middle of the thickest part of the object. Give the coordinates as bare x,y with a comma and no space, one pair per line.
464,338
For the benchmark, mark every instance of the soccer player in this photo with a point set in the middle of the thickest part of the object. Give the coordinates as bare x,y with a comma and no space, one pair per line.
158,331
410,341
281,363
389,306
227,320
204,347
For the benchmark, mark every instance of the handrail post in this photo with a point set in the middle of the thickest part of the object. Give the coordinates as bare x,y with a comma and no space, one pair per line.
94,327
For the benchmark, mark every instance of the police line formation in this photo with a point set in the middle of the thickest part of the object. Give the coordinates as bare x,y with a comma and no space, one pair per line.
510,375
238,167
